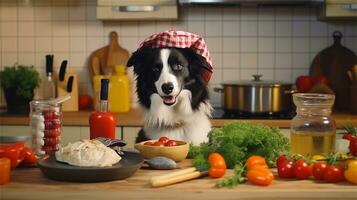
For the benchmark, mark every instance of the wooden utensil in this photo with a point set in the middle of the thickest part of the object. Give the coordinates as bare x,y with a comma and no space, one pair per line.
334,62
103,60
176,177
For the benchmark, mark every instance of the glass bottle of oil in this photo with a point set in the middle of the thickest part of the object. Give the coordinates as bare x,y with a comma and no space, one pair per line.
313,130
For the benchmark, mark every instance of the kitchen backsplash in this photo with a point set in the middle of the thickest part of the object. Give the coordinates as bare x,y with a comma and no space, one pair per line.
279,43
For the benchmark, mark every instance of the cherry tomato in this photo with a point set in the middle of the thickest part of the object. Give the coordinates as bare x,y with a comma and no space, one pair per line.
218,165
304,83
171,143
259,177
48,114
29,156
149,143
281,160
158,143
353,146
84,102
52,141
333,174
348,136
163,139
285,169
301,169
52,133
351,172
321,79
48,149
318,170
255,160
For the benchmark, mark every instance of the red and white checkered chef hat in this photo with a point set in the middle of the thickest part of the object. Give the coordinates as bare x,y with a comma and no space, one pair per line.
181,39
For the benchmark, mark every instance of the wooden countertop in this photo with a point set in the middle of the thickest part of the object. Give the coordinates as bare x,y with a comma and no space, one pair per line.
135,116
31,184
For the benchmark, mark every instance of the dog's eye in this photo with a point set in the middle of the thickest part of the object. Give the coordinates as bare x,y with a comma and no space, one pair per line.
177,67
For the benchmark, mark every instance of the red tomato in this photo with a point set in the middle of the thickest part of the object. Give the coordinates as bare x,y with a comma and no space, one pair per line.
84,102
285,169
52,133
29,156
218,165
333,174
303,83
48,114
318,170
321,79
348,136
149,143
254,160
301,169
13,152
163,139
158,143
52,141
260,177
171,143
353,146
281,160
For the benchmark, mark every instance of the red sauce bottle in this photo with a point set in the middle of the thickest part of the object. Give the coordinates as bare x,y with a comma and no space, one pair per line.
102,123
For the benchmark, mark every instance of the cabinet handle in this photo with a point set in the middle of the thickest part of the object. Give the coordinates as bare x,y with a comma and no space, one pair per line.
135,8
351,6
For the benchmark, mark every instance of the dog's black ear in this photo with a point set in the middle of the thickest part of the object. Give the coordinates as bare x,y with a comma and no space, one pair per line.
197,62
134,58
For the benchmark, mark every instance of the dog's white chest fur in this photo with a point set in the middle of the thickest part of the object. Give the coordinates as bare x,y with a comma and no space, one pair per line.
179,121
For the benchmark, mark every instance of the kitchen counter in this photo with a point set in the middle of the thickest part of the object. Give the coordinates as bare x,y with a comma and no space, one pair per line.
31,184
135,116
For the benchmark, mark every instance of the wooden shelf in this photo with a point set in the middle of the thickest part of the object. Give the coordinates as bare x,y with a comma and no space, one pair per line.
134,118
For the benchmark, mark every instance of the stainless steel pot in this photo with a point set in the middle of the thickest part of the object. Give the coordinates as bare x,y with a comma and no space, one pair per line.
256,96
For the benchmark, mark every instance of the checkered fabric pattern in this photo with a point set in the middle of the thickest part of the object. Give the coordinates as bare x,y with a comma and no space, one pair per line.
181,39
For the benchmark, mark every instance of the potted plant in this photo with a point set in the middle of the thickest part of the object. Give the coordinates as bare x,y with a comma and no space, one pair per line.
18,83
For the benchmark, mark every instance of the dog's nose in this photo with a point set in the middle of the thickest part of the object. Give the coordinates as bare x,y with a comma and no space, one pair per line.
167,87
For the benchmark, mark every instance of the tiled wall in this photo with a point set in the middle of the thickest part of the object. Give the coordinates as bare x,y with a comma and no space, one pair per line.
279,43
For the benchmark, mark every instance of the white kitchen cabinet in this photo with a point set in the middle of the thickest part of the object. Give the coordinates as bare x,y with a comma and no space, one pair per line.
137,10
334,9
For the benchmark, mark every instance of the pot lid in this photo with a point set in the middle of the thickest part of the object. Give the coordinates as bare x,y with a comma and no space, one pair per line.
256,81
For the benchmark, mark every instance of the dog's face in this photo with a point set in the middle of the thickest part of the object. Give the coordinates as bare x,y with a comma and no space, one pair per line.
167,72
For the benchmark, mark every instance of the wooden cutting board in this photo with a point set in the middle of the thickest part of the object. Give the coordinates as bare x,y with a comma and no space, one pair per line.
31,184
102,61
334,62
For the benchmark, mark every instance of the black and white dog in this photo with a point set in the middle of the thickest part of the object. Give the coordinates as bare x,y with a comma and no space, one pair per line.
172,93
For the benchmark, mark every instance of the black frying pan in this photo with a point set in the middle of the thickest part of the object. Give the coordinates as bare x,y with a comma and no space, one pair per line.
127,166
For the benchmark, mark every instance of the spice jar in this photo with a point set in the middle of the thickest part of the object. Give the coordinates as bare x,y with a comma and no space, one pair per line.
46,126
313,130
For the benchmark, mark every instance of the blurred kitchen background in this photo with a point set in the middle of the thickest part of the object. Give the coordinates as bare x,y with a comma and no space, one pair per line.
278,42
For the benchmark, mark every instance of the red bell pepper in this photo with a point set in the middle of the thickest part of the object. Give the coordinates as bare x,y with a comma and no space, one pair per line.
13,152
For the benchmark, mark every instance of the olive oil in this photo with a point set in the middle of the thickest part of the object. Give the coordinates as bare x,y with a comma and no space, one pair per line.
312,143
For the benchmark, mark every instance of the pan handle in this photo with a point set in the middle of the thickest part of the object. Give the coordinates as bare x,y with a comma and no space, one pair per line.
291,91
219,90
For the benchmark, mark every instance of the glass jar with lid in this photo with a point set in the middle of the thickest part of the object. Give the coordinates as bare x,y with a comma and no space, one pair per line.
313,130
46,126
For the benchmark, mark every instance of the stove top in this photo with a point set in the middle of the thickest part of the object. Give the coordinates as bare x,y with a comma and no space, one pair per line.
220,113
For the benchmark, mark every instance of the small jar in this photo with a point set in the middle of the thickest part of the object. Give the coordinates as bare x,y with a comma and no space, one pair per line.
313,130
46,126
